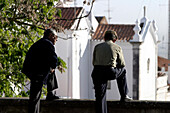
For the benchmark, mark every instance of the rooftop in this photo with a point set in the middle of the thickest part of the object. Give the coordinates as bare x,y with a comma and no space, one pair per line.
163,62
124,32
68,16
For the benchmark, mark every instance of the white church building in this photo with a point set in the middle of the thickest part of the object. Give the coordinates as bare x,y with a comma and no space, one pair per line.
75,47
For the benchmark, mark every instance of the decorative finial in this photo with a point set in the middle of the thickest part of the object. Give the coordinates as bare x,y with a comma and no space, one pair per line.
137,35
144,8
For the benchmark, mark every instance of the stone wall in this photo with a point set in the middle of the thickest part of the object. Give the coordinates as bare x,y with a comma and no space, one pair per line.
19,105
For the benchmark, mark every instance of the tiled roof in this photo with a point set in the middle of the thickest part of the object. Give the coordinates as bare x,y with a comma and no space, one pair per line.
124,32
163,62
68,15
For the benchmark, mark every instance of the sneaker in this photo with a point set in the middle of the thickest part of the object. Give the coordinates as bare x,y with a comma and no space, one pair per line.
126,99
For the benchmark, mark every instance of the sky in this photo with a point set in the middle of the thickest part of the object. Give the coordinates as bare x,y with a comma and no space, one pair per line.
128,11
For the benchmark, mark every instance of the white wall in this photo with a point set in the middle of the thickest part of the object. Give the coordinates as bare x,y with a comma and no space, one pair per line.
75,52
83,56
63,50
83,53
128,56
76,82
147,85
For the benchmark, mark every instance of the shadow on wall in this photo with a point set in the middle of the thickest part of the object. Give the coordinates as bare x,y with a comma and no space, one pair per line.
86,85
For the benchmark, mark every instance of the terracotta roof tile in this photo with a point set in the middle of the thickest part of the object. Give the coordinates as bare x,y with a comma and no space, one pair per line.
124,32
68,15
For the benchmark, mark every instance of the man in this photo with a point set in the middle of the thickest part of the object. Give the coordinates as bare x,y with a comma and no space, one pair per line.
39,65
108,62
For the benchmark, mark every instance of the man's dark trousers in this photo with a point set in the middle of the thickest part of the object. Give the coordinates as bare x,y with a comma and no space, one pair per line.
36,89
100,76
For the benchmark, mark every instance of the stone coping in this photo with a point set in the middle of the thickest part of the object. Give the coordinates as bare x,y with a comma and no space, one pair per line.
87,102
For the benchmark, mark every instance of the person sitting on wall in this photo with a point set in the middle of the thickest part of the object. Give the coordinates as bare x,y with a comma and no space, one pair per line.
109,64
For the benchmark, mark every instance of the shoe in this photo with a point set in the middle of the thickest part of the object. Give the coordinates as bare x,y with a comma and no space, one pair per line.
126,99
53,97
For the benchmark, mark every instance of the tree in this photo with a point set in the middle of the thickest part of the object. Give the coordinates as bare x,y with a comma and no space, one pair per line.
22,22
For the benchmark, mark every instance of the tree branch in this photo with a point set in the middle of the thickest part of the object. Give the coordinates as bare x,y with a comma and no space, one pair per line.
79,17
21,23
79,20
28,34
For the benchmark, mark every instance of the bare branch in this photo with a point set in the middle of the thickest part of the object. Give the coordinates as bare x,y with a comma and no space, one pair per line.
79,17
79,20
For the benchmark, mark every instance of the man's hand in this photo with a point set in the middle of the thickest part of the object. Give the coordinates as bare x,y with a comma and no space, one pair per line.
60,68
52,70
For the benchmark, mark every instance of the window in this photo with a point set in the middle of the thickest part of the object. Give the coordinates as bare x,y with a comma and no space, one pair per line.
148,65
141,26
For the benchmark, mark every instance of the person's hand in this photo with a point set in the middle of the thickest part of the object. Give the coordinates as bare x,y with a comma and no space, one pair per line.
60,68
52,70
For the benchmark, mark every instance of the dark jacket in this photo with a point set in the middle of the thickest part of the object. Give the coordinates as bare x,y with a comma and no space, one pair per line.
40,58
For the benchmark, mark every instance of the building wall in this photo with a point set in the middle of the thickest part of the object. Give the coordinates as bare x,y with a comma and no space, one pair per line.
75,52
148,69
76,82
83,54
128,56
63,50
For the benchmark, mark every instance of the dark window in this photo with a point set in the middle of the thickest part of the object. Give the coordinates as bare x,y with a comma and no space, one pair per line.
148,64
141,26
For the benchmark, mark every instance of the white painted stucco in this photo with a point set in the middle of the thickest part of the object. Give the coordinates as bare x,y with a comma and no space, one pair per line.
147,58
147,85
77,52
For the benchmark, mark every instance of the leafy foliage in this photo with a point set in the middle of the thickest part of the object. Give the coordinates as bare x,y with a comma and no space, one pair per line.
33,13
22,22
61,65
12,54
